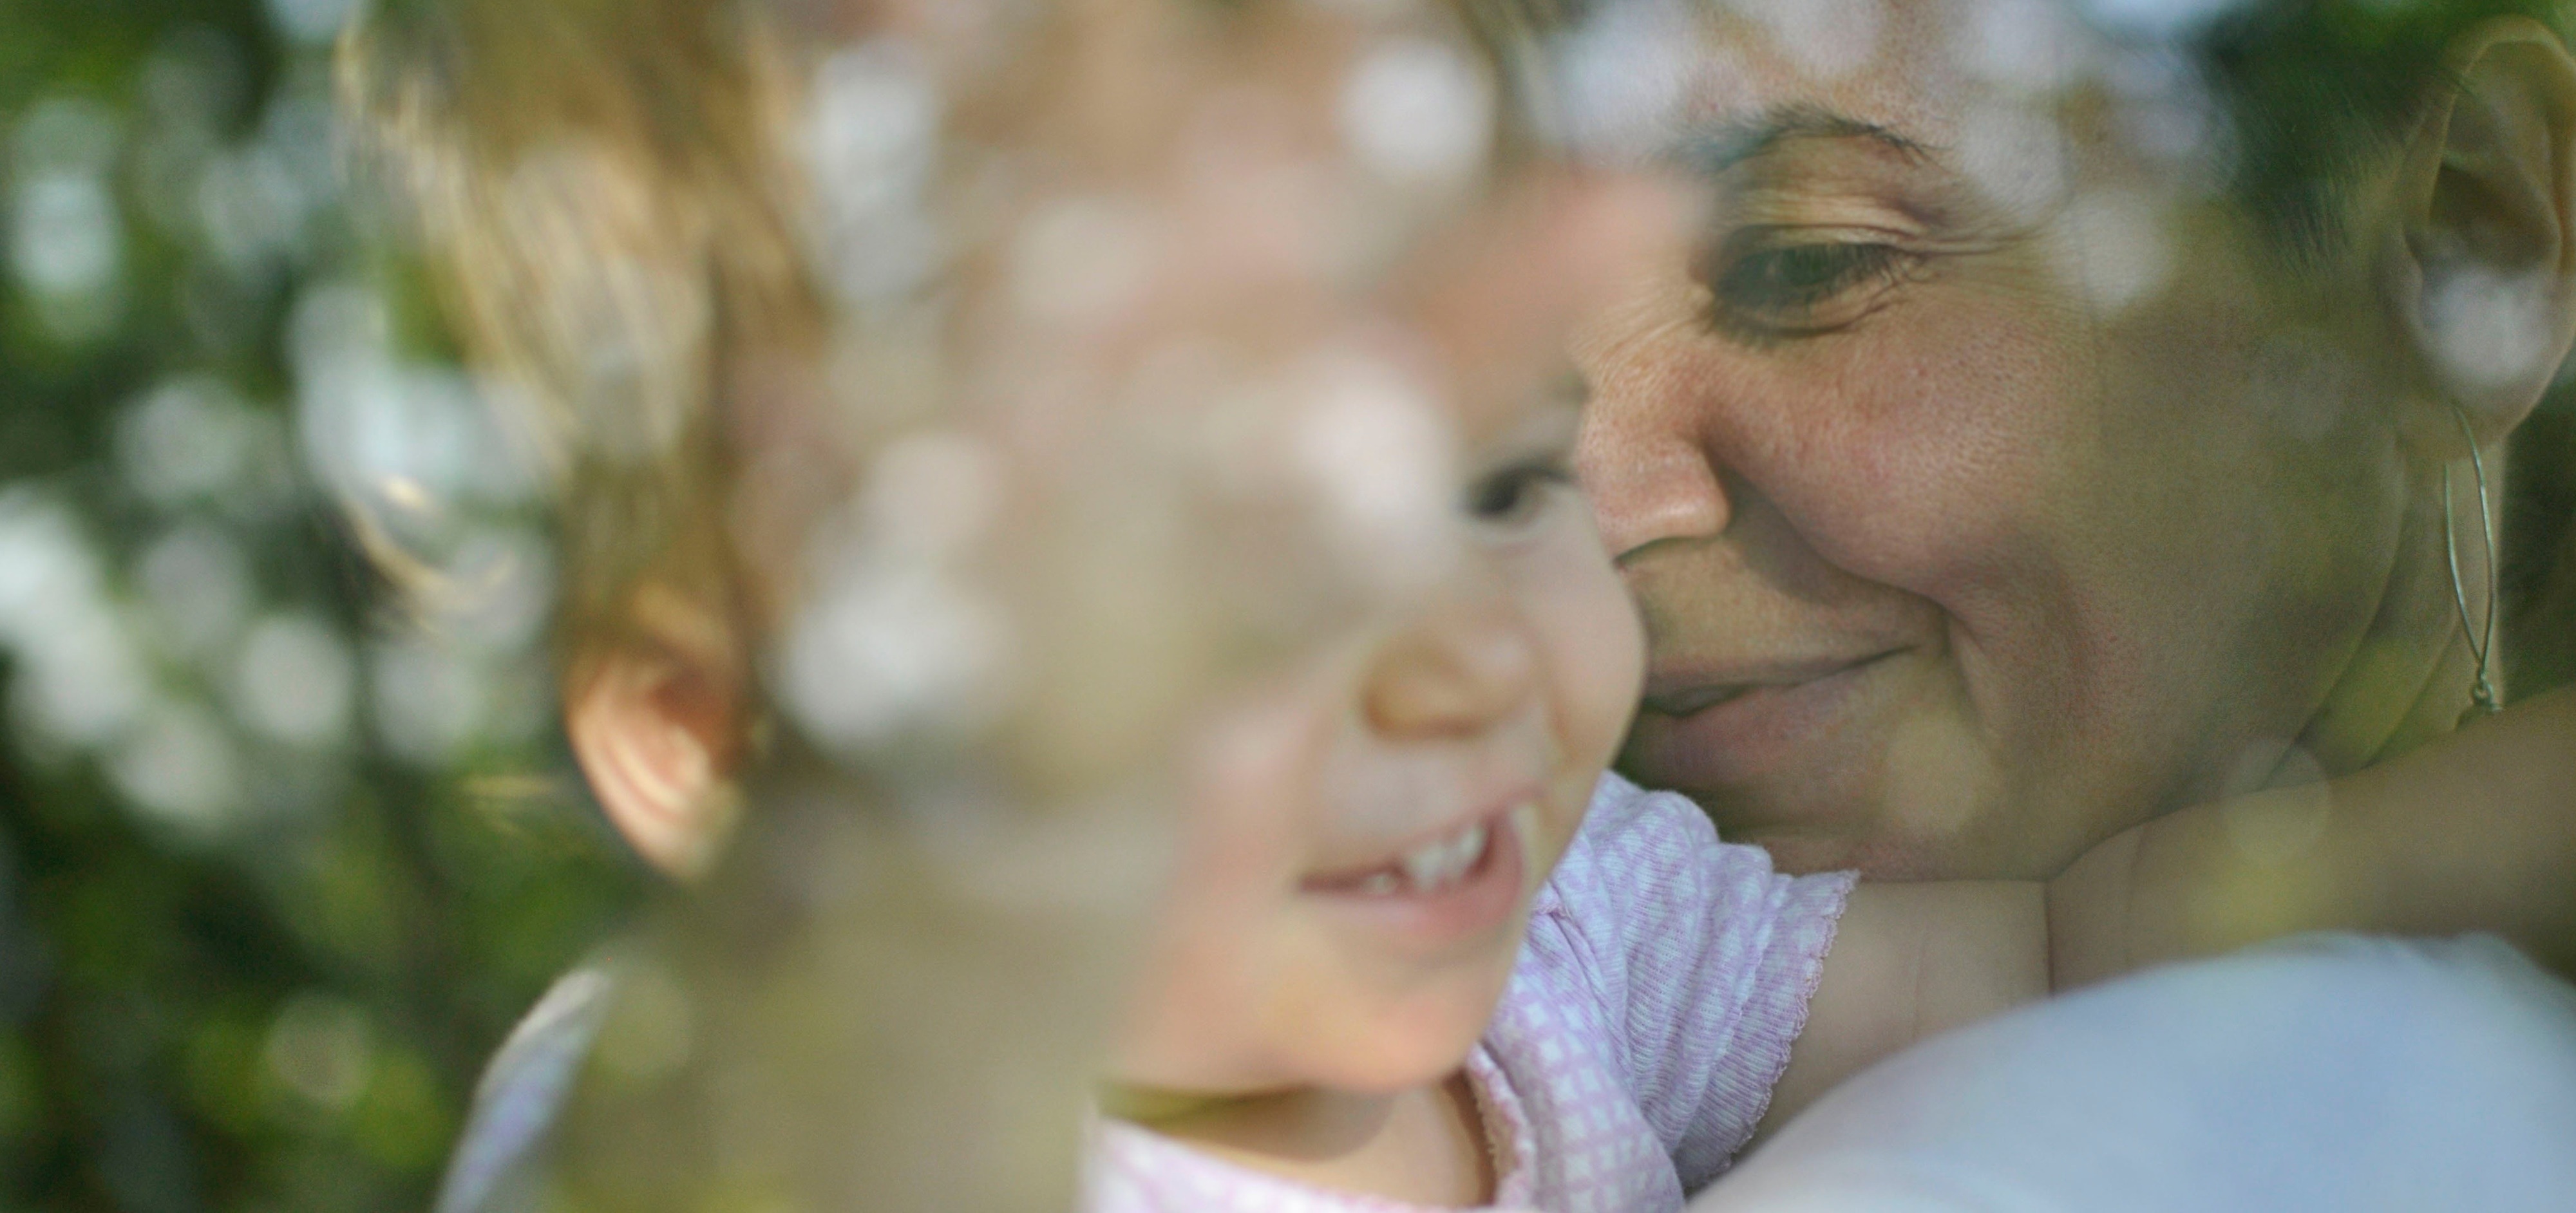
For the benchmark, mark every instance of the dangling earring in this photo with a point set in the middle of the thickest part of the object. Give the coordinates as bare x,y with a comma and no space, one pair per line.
2482,696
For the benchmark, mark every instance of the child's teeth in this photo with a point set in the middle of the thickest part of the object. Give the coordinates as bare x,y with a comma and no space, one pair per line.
1436,865
1378,884
1469,847
1424,865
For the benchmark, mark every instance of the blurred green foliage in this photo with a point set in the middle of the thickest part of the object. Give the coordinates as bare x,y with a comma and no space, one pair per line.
280,859
2540,548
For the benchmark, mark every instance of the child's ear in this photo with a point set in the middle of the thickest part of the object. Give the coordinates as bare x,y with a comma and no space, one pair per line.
656,721
2487,262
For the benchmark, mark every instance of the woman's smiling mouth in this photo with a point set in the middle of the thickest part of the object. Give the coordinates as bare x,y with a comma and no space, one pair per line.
1692,693
1711,727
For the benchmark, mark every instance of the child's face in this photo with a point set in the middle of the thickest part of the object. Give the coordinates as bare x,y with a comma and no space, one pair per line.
1264,405
1362,836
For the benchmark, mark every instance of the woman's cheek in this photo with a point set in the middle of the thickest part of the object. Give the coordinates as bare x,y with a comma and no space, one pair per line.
1939,442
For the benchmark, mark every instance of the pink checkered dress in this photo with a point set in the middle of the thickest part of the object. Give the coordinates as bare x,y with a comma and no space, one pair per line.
1665,975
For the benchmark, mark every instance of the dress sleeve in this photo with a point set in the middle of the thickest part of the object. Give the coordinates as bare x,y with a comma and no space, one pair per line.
1706,957
502,1152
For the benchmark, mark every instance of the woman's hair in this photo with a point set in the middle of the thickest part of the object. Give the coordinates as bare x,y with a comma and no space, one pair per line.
2317,90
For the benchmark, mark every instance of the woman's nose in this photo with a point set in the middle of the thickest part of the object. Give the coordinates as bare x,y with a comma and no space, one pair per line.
1647,477
1464,667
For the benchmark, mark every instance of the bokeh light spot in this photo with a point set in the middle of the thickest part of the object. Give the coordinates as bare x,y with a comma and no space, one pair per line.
322,1050
295,681
180,769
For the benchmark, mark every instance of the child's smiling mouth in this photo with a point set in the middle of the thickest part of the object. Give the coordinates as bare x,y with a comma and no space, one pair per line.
1444,890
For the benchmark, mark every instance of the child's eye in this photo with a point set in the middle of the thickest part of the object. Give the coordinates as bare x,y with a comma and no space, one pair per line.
1516,494
1798,289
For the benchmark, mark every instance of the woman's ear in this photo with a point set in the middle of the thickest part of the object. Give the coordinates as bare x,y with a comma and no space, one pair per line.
2487,261
657,721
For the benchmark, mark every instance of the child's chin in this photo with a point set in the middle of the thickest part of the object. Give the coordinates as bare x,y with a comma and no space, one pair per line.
1423,1044
1429,1067
1385,1067
1352,1036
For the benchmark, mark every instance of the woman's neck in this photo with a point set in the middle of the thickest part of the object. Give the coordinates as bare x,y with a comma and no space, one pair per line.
1424,1145
2408,680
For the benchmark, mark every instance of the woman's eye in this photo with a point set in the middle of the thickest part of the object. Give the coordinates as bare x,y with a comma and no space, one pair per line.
1517,493
1802,288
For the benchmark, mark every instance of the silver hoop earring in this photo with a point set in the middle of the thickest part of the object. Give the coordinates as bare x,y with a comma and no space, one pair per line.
2482,696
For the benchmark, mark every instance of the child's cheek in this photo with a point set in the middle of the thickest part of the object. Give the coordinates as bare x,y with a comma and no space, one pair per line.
1198,979
1592,647
1247,805
1594,643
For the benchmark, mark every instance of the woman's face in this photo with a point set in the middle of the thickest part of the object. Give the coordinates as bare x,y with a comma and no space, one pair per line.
1979,495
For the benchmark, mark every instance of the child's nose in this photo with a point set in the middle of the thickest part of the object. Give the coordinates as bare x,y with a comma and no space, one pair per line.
1464,667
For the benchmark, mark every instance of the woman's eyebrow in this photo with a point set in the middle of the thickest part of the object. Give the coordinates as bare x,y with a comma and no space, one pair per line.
1712,150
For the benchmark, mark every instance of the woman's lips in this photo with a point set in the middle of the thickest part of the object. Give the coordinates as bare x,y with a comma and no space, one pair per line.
1713,727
